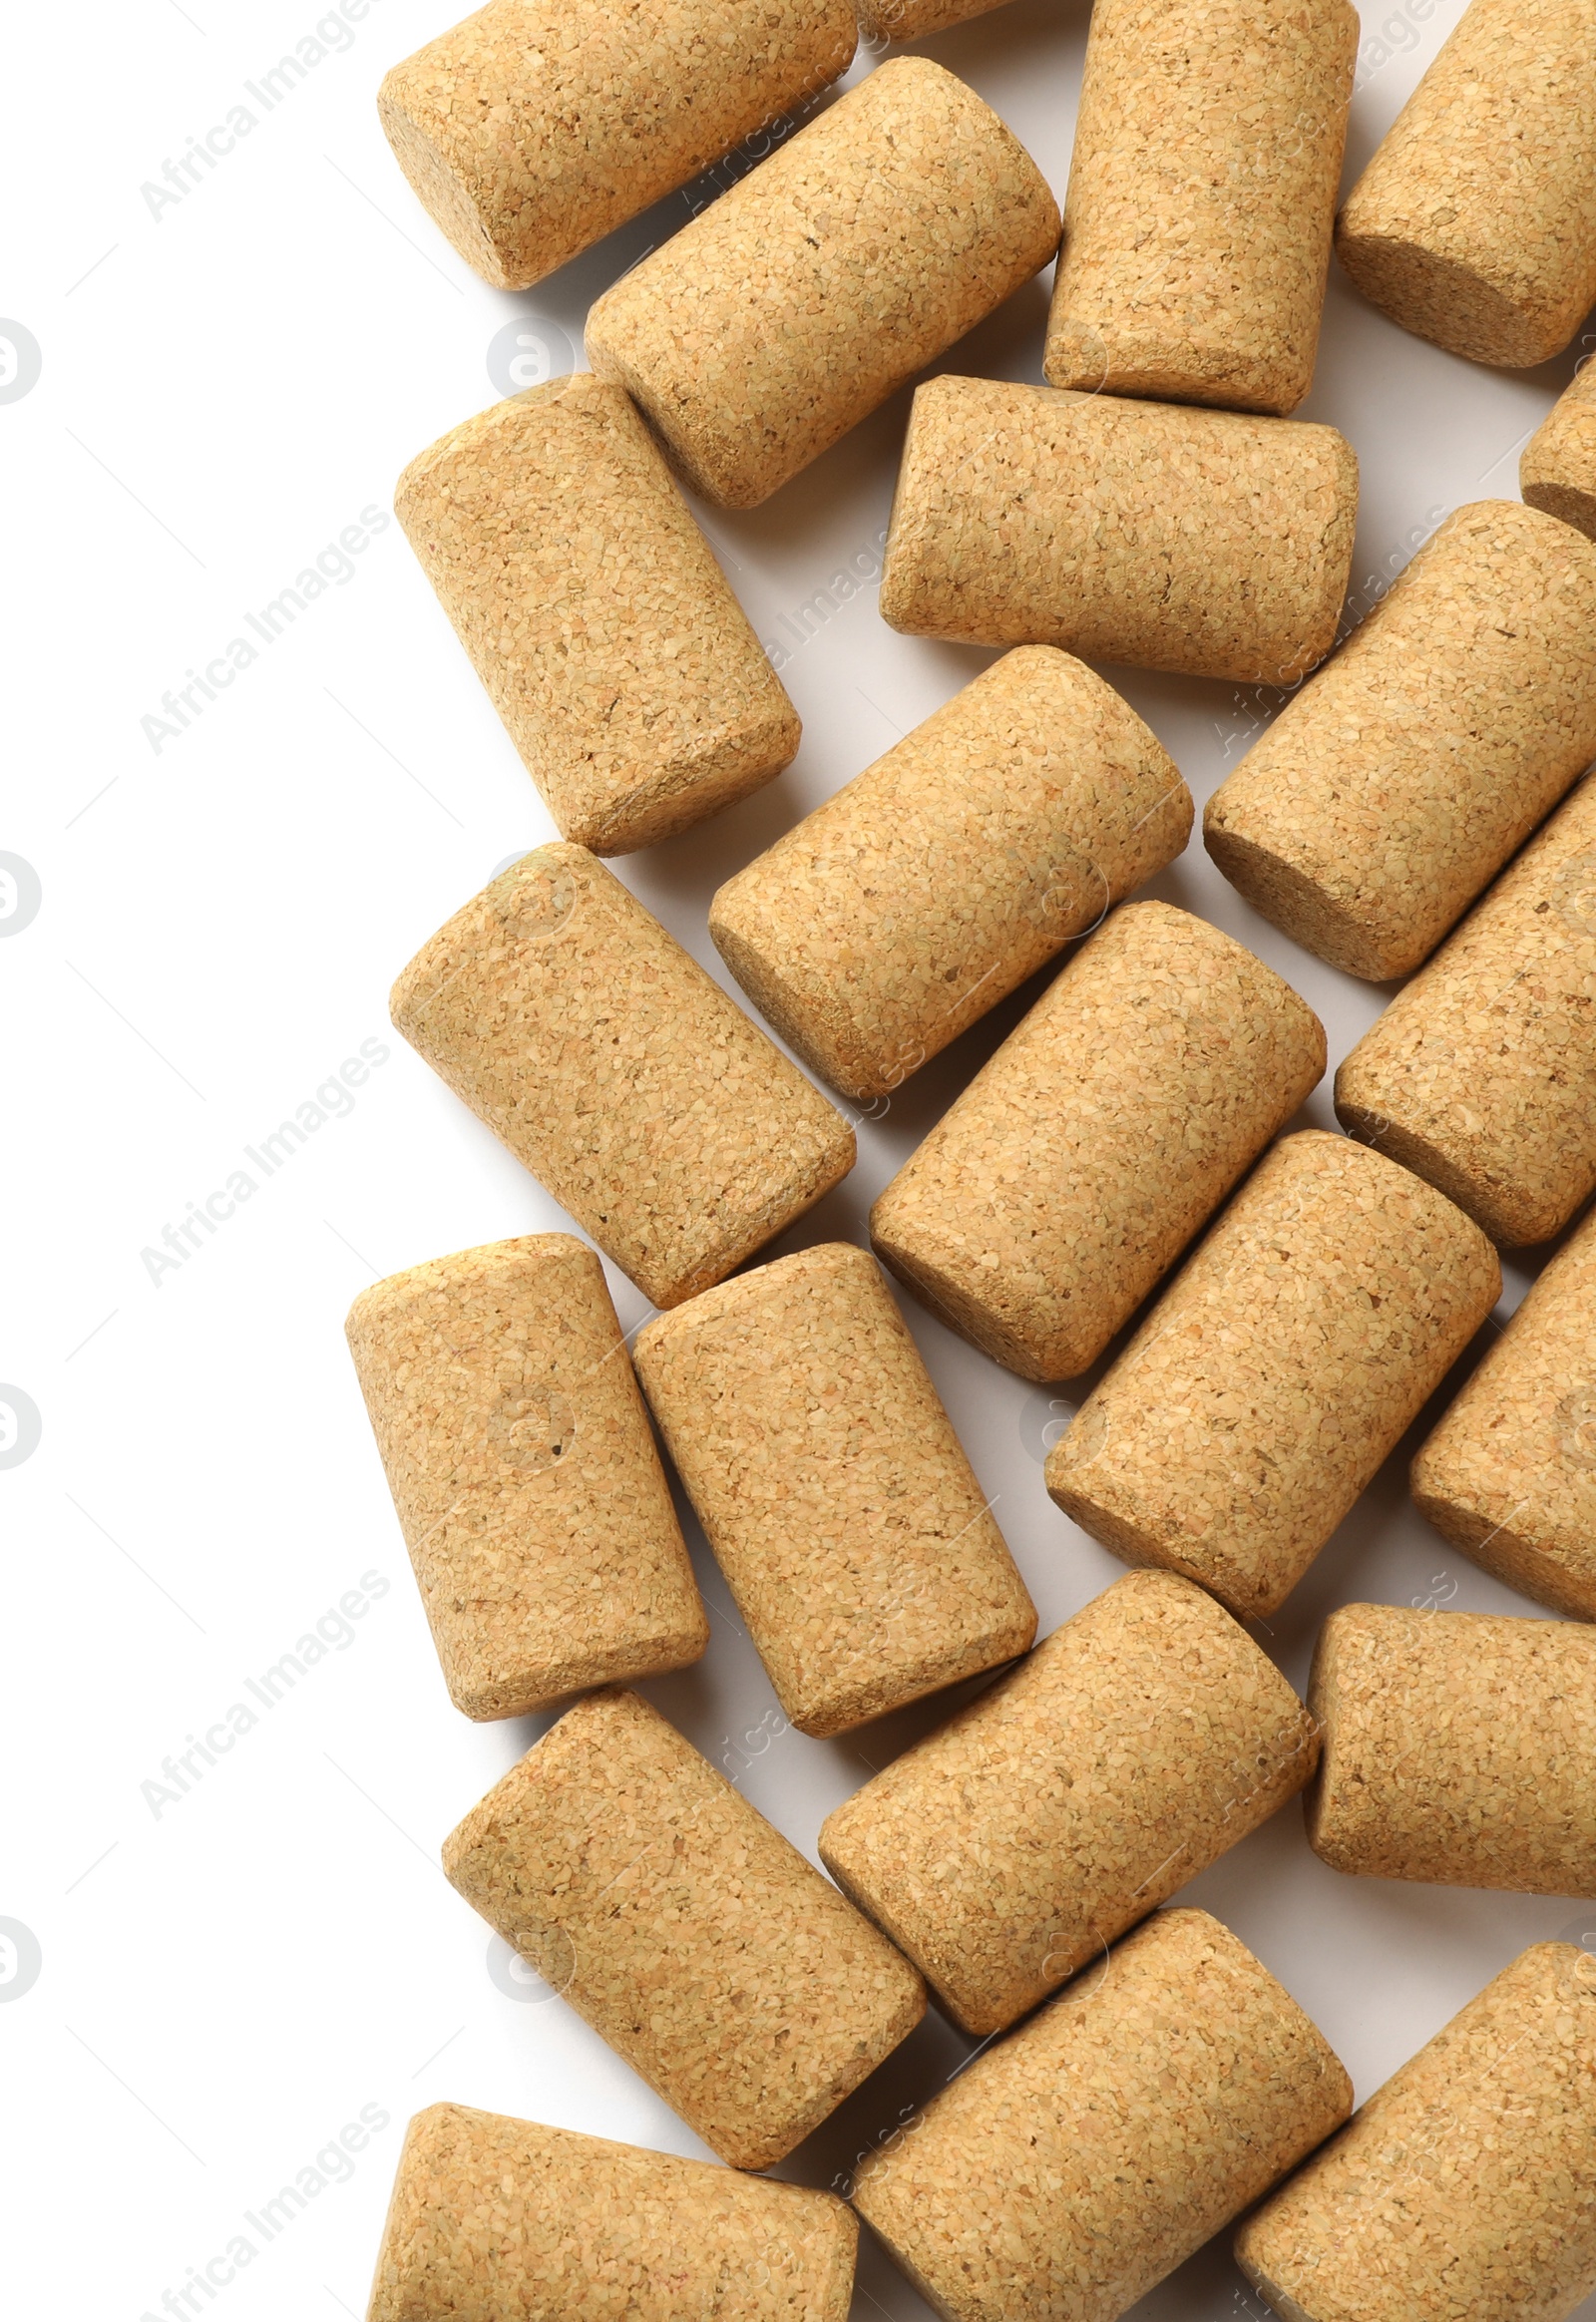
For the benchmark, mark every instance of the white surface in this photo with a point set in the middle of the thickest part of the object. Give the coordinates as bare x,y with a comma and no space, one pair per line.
225,386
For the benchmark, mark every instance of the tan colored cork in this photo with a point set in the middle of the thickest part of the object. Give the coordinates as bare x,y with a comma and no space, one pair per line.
1465,2189
1482,1074
1210,543
524,1476
779,318
1202,193
532,130
1264,1389
674,1131
595,614
1128,1752
1476,223
833,1490
1068,2169
1398,783
712,1957
938,880
1078,1163
1558,469
881,20
495,2219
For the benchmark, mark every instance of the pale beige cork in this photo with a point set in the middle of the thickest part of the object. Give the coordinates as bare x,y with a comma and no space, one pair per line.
1482,1074
1398,783
525,1476
674,1131
1558,469
1072,2166
838,1501
532,130
952,869
1110,1124
748,1992
1211,542
1476,223
1201,198
883,20
1281,1368
1128,1752
782,316
1465,2189
594,611
495,2219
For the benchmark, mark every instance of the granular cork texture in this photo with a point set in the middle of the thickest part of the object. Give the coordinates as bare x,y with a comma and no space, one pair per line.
1133,1746
1482,1074
1398,783
524,1476
532,130
1458,1748
942,876
1476,223
1557,470
596,616
881,20
1281,1368
501,2220
1202,193
1509,1474
748,1992
783,314
1106,1129
1465,2189
1205,542
1068,2169
833,1492
674,1131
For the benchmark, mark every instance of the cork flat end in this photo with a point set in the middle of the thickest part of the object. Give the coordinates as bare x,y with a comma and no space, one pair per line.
1567,502
443,194
1436,299
1301,906
1511,1221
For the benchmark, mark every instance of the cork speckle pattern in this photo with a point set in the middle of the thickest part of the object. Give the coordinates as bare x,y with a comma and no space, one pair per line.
884,20
1557,472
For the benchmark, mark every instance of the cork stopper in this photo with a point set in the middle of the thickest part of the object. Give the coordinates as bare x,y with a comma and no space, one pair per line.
673,1130
1558,469
883,20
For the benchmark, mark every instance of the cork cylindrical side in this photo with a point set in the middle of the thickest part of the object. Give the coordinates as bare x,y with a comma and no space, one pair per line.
1557,468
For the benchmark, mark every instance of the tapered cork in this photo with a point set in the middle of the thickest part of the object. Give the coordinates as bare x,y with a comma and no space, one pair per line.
619,1074
1128,1752
942,876
1106,1129
1558,469
1280,1368
1202,194
595,614
1466,2185
1206,542
783,314
1070,2169
1398,783
1476,223
501,2220
716,1962
532,130
833,1490
881,20
1482,1074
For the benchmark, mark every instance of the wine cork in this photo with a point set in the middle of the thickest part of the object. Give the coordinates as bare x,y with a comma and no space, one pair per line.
783,314
530,130
947,872
1201,198
496,2217
1458,1748
1128,1752
1078,1163
1068,2169
1482,1074
524,1476
1466,2185
884,20
595,614
832,1489
1558,469
1398,783
1205,542
619,1074
1476,223
747,1992
1281,1368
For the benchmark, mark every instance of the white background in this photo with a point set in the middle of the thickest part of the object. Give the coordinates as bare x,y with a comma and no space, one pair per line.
225,387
